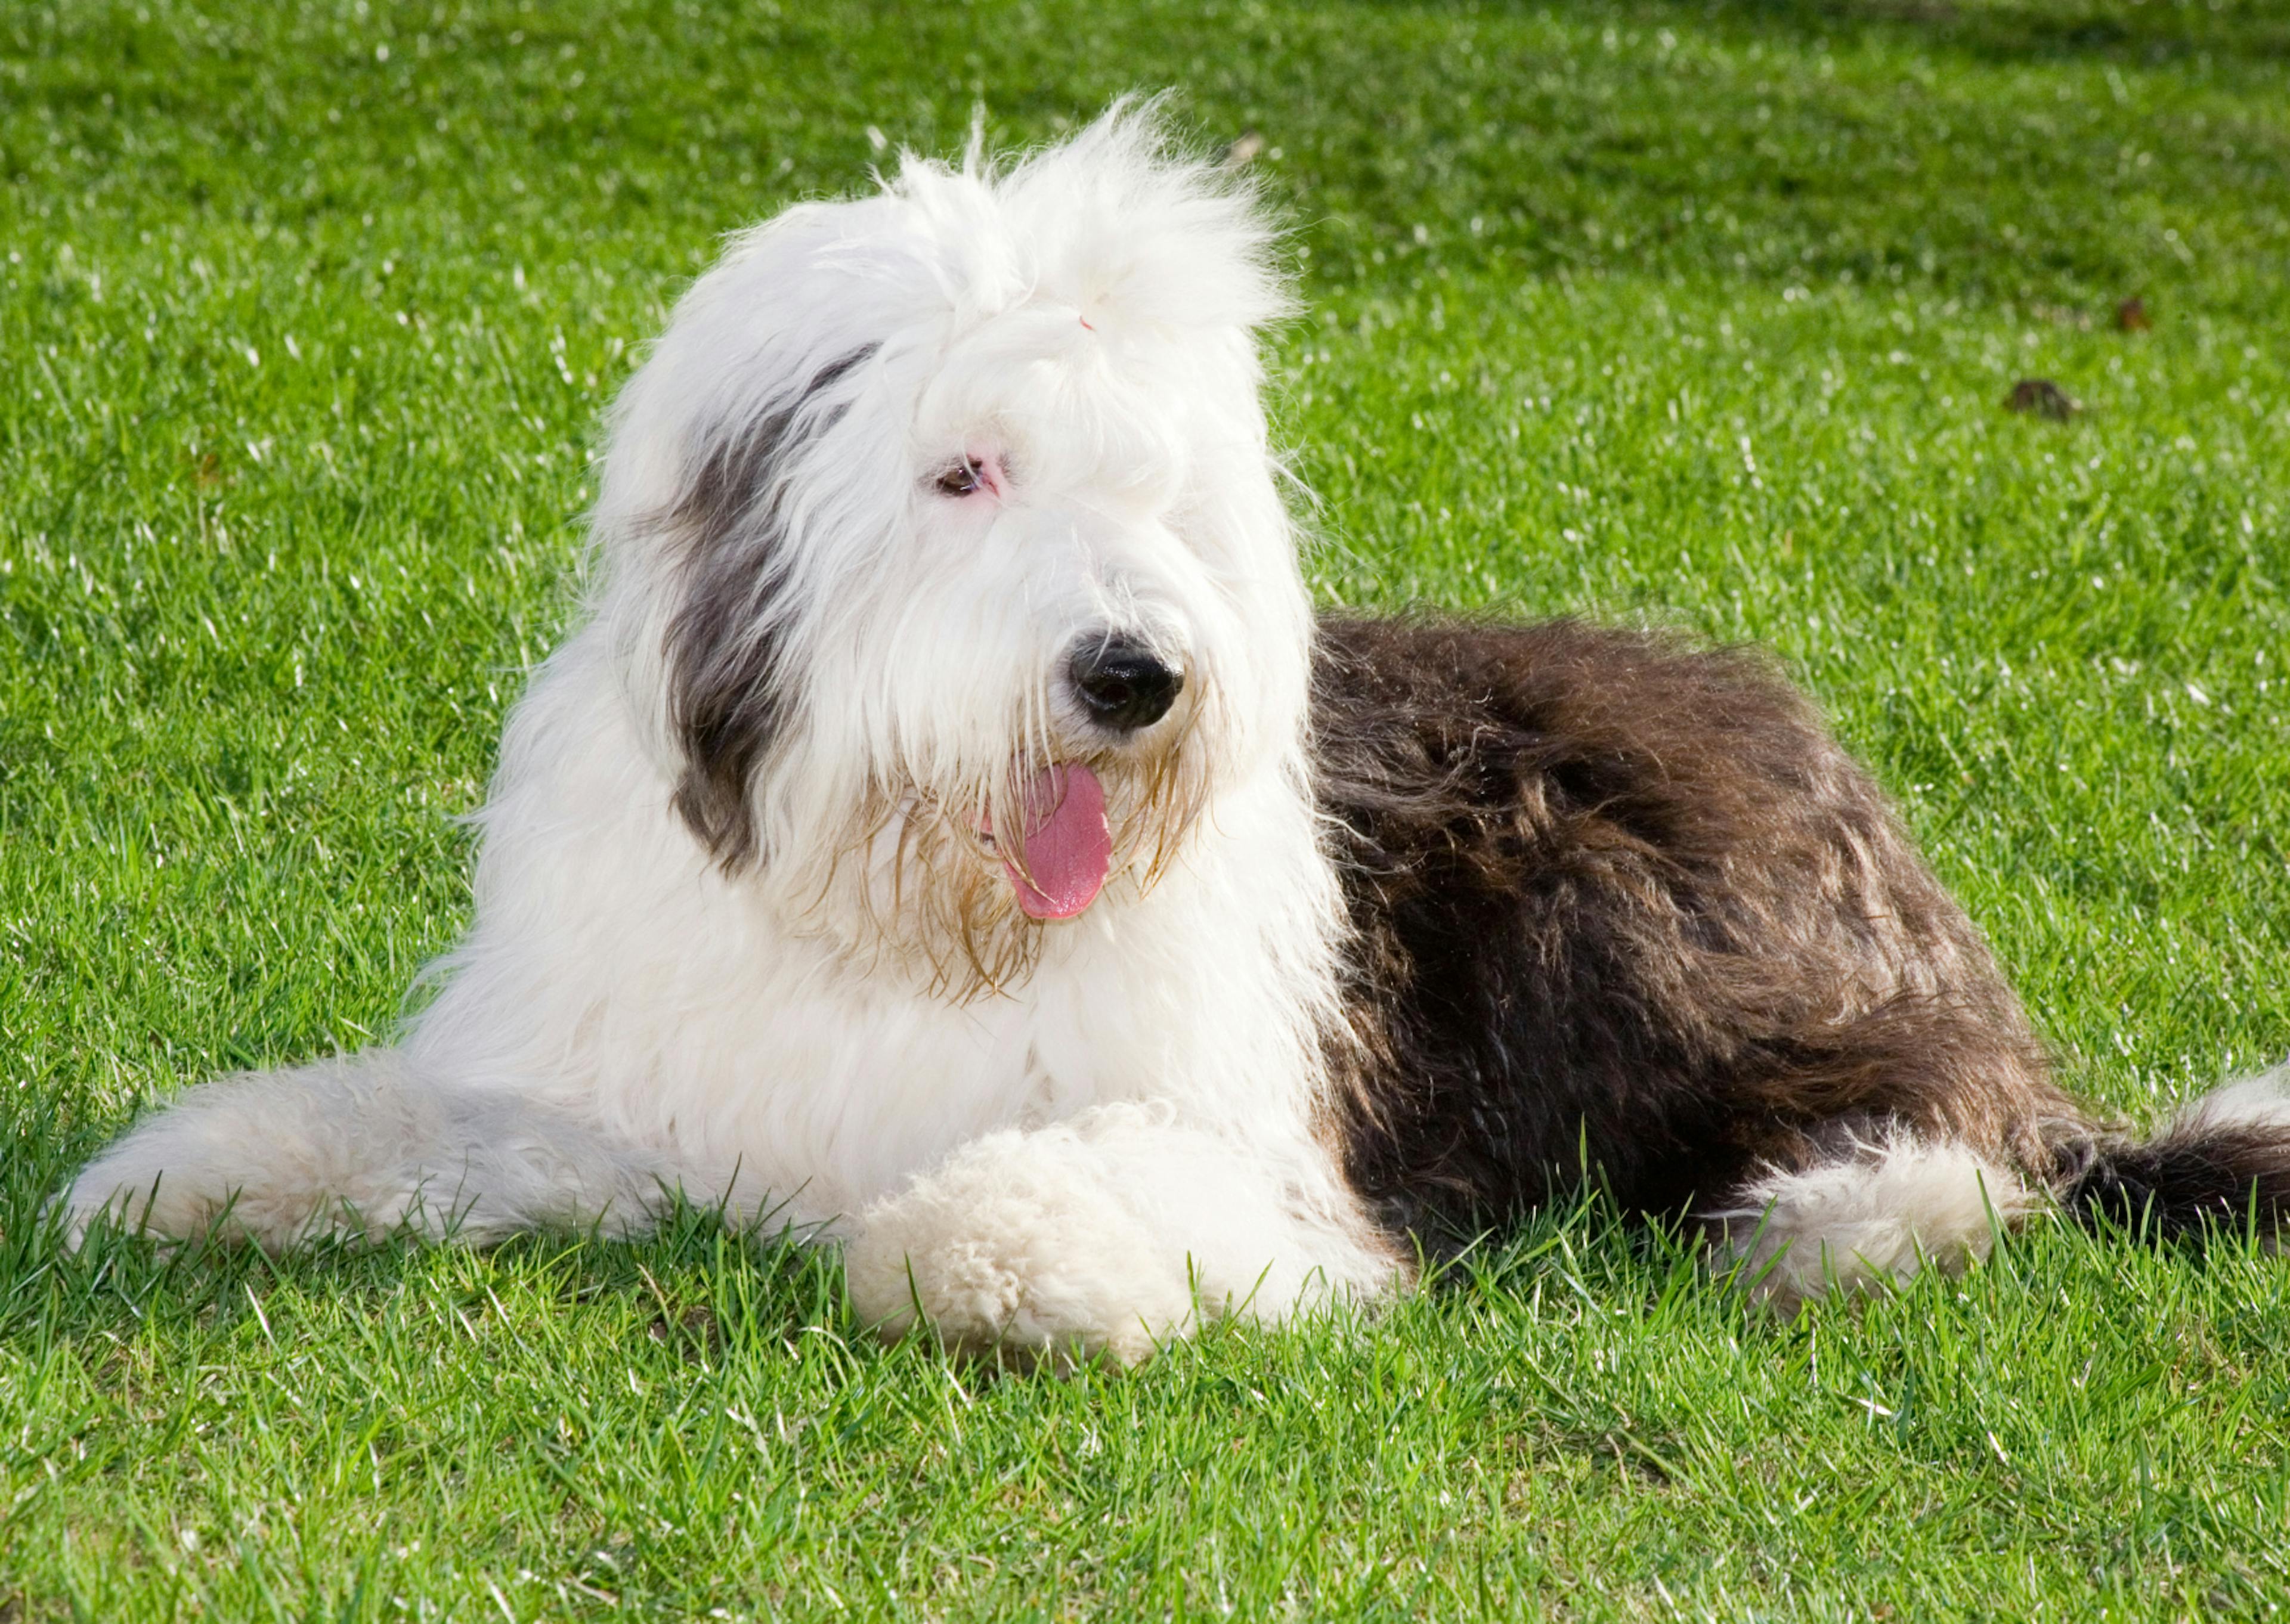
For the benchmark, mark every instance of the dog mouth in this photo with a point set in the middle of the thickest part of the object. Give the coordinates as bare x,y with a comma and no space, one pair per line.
1056,848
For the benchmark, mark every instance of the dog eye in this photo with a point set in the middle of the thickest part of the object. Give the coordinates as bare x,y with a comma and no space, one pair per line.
961,479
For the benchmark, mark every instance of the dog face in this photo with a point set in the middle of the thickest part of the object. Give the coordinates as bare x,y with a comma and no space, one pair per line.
944,554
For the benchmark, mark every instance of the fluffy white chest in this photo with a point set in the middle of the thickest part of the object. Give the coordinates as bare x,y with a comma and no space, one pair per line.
614,974
818,1091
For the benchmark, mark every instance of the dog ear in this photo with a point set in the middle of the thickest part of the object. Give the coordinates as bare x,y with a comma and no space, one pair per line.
727,698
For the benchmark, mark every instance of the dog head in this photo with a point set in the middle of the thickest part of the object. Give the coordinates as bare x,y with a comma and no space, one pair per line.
944,551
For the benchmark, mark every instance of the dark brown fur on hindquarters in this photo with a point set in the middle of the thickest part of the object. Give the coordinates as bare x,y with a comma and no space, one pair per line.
1621,900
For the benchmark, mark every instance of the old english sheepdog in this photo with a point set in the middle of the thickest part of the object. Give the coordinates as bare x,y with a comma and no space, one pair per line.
952,829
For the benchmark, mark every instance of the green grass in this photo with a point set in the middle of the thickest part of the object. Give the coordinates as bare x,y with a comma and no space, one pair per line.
1702,312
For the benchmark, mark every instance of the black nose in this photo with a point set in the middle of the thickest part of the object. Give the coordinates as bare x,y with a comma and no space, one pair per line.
1124,684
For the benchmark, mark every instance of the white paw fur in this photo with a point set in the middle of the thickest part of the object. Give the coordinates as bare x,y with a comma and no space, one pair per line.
1877,1216
355,1145
1107,1237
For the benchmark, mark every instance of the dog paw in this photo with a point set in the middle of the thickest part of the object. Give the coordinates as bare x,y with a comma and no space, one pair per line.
1014,1253
170,1191
272,1158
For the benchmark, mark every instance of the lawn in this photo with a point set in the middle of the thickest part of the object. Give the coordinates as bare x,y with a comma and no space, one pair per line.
1700,312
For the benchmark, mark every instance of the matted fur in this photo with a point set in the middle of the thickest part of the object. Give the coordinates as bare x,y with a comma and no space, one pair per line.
1396,928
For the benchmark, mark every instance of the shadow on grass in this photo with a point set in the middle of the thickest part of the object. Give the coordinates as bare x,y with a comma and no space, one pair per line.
707,1290
1995,31
702,1286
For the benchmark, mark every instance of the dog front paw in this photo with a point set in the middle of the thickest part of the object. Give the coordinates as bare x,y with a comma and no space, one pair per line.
173,1186
1013,1251
270,1157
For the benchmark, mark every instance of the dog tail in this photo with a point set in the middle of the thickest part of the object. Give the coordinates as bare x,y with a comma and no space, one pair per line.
2223,1162
361,1145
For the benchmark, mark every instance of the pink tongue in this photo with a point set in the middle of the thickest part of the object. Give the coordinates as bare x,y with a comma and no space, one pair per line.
1065,847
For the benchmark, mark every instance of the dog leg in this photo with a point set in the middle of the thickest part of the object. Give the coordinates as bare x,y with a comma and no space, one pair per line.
1878,1210
357,1145
1107,1236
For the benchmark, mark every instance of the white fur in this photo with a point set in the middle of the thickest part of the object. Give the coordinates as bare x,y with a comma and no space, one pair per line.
1103,1234
1116,1132
2263,1101
1874,1216
358,1144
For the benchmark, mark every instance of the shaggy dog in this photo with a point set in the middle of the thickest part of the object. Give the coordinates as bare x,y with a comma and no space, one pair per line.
952,830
